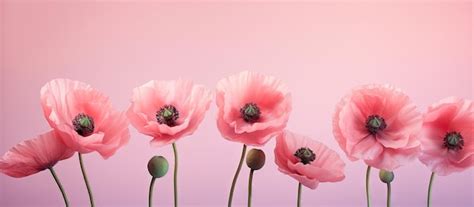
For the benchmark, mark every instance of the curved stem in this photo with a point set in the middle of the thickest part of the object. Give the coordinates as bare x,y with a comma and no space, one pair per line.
367,179
84,175
249,201
175,179
389,192
237,172
150,192
53,173
298,202
429,189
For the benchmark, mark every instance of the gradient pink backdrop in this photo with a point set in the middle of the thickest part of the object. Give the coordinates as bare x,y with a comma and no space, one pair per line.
321,50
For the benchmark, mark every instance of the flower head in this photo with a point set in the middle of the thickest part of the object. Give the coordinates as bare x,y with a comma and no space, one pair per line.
447,144
83,117
378,124
34,155
168,110
306,160
252,107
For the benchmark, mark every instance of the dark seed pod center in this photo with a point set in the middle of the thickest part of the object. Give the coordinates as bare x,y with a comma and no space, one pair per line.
453,141
305,155
83,124
250,112
168,115
375,123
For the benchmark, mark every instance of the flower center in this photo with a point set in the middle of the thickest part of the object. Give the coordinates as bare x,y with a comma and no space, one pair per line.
168,115
453,141
305,155
375,123
250,112
83,124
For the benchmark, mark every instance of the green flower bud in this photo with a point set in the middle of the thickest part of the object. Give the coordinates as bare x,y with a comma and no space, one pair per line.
255,159
386,176
158,166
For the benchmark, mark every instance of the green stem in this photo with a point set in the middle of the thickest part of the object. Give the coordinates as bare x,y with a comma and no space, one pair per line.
53,173
175,179
84,175
429,189
150,192
367,179
234,181
298,202
389,192
249,201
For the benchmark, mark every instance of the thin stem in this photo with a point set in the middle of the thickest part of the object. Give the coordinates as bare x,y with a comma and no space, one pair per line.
237,172
367,179
298,202
389,192
175,179
89,190
249,201
150,192
53,173
429,189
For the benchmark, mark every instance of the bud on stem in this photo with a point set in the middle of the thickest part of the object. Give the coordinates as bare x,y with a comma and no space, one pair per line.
386,176
255,159
158,166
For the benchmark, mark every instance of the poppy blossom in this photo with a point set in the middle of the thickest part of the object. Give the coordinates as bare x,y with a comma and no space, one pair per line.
84,117
252,107
378,124
447,144
34,155
306,160
168,110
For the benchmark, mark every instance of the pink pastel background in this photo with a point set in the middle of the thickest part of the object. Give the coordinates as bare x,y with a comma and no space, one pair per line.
321,50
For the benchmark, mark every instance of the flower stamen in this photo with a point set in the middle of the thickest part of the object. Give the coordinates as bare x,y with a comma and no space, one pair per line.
250,112
453,141
83,124
375,123
168,115
305,155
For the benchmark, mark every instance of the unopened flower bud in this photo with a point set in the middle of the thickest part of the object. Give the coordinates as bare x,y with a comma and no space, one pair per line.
158,166
386,176
255,159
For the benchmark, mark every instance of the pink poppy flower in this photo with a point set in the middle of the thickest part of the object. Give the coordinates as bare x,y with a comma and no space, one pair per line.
34,155
252,107
168,110
84,117
447,144
306,160
378,124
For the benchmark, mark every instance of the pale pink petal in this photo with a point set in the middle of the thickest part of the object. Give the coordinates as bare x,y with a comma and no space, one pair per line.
391,159
115,135
309,183
367,149
57,105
